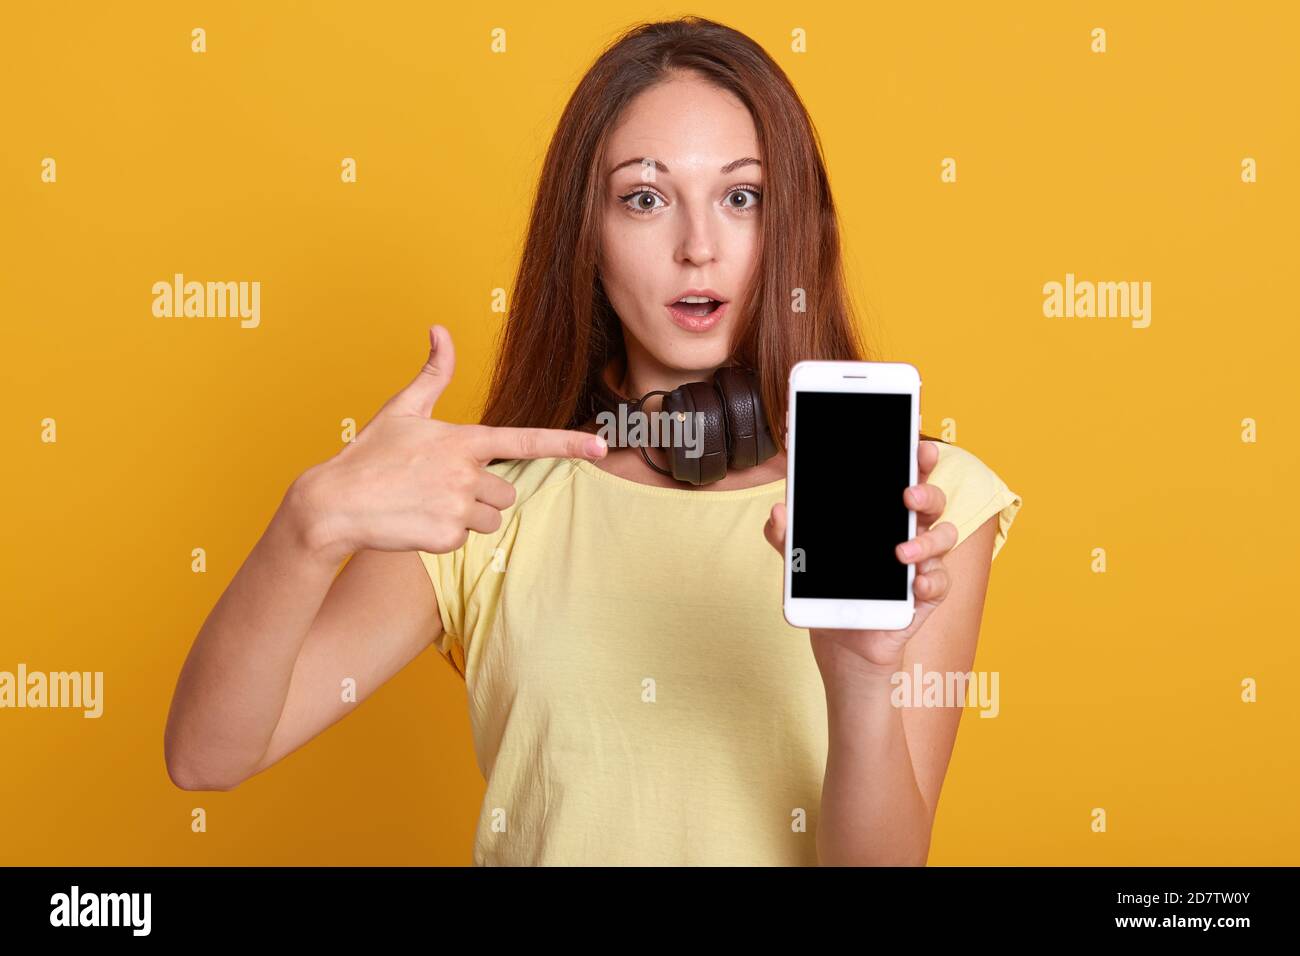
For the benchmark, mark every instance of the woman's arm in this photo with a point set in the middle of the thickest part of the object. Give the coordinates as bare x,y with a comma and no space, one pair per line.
265,673
885,765
264,676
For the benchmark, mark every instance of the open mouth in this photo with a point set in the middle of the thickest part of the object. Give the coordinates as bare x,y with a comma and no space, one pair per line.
696,306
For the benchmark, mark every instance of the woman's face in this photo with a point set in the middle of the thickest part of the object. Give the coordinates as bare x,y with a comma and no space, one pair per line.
682,214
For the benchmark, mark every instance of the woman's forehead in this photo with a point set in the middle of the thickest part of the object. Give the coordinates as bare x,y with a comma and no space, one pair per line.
684,126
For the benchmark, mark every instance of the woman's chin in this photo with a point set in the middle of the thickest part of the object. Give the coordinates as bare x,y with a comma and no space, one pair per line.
690,358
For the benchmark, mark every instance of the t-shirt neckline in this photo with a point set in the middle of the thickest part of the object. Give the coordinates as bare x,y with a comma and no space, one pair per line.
589,469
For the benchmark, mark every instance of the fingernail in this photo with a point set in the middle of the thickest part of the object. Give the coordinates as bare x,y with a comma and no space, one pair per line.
910,549
596,446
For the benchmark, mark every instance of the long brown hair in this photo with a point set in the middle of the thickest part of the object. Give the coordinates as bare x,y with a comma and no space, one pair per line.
561,330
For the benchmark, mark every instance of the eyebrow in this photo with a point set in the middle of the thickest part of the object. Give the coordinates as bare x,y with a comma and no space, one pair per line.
734,164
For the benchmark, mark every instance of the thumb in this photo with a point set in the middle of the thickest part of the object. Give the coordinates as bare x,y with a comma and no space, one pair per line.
774,530
422,393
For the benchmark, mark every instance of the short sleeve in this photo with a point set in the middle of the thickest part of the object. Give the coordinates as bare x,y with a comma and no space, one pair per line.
975,493
447,573
468,581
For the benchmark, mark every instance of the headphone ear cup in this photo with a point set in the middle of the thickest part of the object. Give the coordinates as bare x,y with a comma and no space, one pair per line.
699,399
749,442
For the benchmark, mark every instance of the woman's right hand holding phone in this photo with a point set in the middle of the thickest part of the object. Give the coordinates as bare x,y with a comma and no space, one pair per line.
409,482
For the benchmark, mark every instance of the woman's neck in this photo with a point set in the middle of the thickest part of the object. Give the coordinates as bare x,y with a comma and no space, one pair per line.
627,463
635,373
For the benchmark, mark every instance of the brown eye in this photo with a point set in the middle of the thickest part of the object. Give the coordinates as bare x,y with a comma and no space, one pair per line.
740,191
639,204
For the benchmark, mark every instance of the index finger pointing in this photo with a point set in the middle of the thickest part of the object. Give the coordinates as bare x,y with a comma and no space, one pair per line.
508,442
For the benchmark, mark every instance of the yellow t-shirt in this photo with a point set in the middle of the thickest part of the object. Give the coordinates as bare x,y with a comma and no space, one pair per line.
635,693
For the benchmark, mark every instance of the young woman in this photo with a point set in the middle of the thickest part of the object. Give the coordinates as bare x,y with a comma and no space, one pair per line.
635,693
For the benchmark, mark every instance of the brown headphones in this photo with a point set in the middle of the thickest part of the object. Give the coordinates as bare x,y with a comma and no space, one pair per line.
729,411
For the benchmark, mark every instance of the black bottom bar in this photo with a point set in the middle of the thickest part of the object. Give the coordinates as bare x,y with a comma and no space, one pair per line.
240,904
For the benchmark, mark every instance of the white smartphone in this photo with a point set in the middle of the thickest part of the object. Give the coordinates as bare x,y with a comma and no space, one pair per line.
852,431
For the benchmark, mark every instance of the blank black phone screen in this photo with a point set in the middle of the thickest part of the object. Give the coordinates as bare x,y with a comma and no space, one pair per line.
851,465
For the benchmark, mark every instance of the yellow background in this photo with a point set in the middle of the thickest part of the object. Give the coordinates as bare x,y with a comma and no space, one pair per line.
1119,691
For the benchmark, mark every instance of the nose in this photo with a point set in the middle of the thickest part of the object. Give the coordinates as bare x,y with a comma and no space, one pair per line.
698,244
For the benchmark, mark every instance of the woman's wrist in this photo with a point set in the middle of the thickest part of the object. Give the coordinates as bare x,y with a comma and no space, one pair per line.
304,524
844,670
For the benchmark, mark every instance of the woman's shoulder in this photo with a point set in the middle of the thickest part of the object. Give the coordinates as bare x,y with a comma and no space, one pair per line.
532,477
974,492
